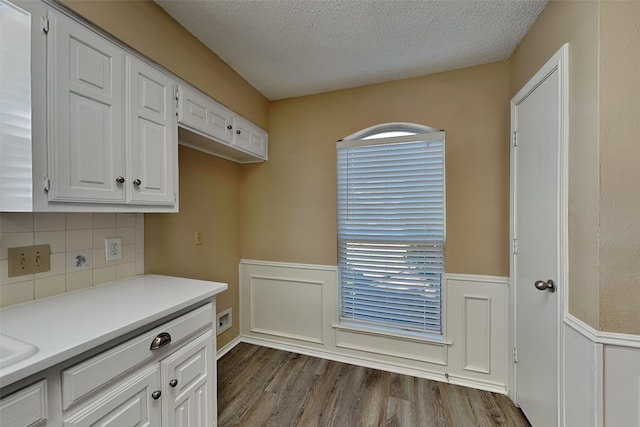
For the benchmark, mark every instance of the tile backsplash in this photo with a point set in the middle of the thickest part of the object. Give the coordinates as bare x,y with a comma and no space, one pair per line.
69,235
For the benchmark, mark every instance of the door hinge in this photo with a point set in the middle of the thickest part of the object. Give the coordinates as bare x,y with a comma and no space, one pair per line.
45,25
514,246
177,96
515,138
47,184
515,355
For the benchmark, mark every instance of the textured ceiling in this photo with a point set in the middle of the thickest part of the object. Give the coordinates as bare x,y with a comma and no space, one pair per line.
288,48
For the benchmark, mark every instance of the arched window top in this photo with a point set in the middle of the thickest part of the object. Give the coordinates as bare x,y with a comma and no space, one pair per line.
390,130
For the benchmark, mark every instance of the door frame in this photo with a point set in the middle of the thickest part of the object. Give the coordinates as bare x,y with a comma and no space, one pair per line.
560,62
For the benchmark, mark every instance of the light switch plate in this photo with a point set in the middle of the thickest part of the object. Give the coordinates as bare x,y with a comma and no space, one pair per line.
113,248
29,260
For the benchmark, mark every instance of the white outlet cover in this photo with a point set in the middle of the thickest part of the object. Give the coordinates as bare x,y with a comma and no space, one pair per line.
79,260
113,248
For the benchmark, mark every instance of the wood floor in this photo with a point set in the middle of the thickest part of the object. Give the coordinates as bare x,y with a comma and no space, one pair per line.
259,386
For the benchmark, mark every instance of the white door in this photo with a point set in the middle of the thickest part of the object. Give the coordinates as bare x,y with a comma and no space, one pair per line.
152,133
537,229
86,110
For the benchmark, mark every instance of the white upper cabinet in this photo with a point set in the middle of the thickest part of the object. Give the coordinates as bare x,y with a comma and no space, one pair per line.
85,95
112,125
152,135
217,130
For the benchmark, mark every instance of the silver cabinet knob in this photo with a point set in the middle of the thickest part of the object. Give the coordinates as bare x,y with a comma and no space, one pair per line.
173,383
541,285
120,179
238,131
137,182
156,394
229,127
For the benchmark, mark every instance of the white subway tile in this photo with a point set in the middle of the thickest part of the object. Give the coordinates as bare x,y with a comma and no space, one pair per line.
50,221
79,280
16,222
16,293
50,286
104,220
104,275
126,220
79,221
124,271
14,240
128,235
79,239
57,240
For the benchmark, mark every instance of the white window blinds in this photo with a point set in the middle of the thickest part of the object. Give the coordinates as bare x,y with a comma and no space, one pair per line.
391,228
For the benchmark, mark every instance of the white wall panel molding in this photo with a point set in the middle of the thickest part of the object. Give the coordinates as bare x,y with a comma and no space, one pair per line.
289,265
602,337
477,278
294,307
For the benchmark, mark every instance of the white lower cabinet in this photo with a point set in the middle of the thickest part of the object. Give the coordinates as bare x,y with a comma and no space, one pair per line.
164,377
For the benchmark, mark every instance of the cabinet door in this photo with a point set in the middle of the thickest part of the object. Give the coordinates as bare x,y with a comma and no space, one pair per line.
250,138
128,404
152,135
189,388
205,115
85,105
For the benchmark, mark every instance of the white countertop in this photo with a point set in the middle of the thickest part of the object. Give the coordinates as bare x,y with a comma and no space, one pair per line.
67,325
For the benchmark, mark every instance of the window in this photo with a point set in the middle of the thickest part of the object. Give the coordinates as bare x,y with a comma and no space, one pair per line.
391,228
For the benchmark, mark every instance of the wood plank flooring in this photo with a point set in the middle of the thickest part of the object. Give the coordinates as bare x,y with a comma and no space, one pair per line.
259,386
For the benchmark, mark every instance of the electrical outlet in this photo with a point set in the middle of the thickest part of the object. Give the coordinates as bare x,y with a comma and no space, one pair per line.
224,321
28,260
113,248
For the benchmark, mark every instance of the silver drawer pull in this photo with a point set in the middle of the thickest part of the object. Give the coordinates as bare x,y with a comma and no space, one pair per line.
173,383
160,341
156,395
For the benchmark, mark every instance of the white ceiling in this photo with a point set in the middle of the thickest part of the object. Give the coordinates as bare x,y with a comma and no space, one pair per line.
288,48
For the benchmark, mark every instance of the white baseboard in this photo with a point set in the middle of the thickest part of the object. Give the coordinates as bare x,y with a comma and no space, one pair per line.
374,364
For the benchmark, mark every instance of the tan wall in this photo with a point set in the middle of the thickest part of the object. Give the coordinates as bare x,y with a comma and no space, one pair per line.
574,22
209,186
288,204
209,201
620,166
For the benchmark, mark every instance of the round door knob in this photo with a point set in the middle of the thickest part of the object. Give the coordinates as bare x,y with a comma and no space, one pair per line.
229,127
173,383
549,285
238,131
120,179
137,182
156,394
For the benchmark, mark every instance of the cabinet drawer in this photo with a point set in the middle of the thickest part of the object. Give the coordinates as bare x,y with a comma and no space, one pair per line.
26,407
87,376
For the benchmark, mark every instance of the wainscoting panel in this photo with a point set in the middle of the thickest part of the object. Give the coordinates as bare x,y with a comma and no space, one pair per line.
478,326
295,307
287,307
435,353
580,390
621,386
